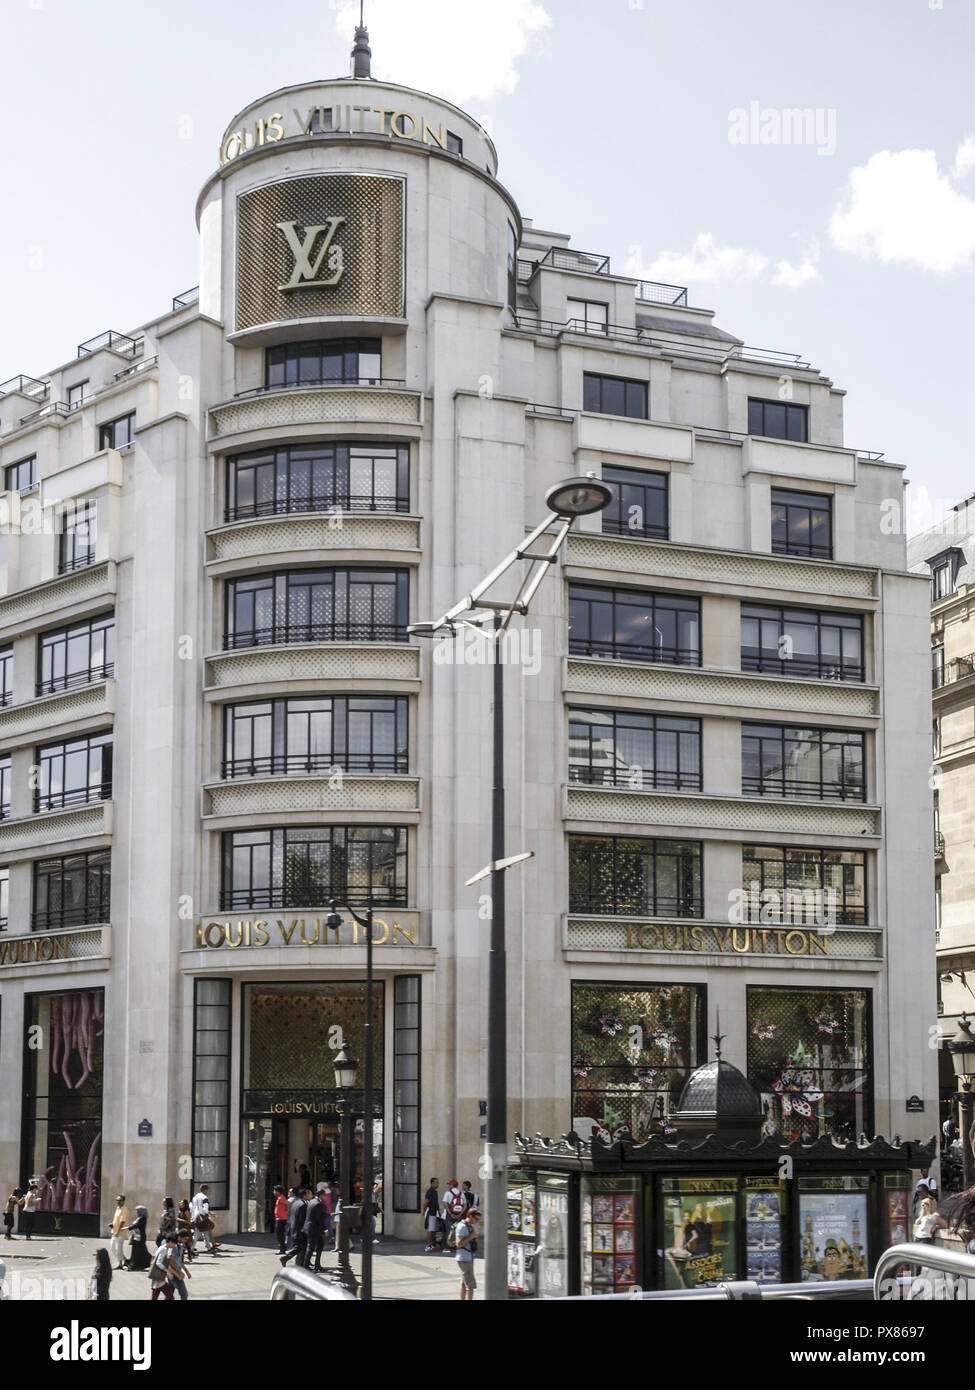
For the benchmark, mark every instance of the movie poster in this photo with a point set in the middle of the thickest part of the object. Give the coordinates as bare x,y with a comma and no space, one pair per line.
832,1235
763,1236
699,1233
551,1255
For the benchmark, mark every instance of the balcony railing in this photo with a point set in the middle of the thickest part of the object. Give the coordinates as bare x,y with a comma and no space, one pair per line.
136,367
658,292
321,763
82,561
561,258
636,651
24,386
587,774
72,679
310,895
319,383
954,670
79,796
285,633
188,297
939,845
792,787
319,502
96,909
118,342
54,408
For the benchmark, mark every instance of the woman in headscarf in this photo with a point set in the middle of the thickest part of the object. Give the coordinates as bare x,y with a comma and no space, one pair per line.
139,1256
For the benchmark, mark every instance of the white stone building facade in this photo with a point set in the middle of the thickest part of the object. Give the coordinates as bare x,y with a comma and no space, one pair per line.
215,721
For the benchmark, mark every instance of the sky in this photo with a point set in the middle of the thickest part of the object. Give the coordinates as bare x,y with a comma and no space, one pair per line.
652,131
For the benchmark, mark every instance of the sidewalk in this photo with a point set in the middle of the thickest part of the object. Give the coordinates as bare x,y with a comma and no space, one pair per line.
58,1268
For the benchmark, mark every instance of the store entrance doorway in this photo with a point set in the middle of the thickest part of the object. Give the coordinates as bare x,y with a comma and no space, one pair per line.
294,1152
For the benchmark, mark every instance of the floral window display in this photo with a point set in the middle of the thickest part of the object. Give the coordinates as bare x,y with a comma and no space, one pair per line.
809,1057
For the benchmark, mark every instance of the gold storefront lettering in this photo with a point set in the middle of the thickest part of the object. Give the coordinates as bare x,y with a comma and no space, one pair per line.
648,936
299,931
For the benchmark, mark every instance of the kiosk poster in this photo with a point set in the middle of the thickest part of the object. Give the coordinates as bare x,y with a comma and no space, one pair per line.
831,1234
551,1255
699,1235
763,1236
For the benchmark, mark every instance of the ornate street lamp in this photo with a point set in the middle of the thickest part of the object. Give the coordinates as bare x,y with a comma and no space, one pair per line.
346,1068
962,1049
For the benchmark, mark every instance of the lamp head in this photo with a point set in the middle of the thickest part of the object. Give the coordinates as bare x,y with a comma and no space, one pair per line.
346,1066
578,496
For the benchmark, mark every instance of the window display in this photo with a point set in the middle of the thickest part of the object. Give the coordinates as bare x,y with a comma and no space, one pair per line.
764,1207
552,1239
700,1237
610,1253
521,1233
833,1228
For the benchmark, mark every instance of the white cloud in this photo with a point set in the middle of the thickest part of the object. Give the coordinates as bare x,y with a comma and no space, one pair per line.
464,52
901,208
792,277
706,261
964,158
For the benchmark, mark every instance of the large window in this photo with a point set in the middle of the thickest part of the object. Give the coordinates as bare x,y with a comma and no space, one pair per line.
779,760
73,891
310,866
800,642
622,876
588,316
621,748
318,477
76,655
634,625
5,784
803,886
318,606
77,541
211,1088
333,361
614,395
406,1093
4,898
117,433
6,676
18,477
802,524
633,1049
74,773
357,733
639,505
809,1056
778,420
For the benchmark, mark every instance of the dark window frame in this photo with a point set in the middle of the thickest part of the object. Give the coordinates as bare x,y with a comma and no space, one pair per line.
279,893
454,143
292,364
13,481
407,1051
617,902
109,433
286,599
278,717
596,386
6,784
330,467
212,1040
846,915
763,420
80,522
656,602
6,676
793,515
54,759
73,401
47,642
96,907
804,666
766,736
599,324
637,488
587,770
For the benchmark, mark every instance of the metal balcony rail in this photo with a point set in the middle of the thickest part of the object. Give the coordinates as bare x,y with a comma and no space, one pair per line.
79,796
939,844
754,354
649,531
69,680
532,323
635,651
81,560
956,1264
3,923
306,896
188,297
321,763
118,342
24,386
53,408
526,269
587,774
137,367
5,806
285,633
6,698
301,1283
744,1291
318,384
778,784
319,502
659,292
96,910
957,669
561,258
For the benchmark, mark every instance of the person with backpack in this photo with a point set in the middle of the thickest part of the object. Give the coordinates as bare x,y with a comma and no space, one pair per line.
471,1198
202,1220
454,1206
463,1236
160,1269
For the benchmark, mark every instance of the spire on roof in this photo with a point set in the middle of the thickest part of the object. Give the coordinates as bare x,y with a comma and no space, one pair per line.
361,52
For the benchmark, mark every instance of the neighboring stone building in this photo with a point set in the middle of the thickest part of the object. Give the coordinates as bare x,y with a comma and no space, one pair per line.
717,743
946,553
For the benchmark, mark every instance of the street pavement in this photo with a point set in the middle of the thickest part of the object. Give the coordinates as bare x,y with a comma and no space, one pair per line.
55,1268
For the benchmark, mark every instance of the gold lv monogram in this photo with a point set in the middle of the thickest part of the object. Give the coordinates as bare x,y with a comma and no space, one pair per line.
305,272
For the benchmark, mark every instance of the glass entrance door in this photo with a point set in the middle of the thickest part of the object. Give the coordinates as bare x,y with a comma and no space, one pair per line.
263,1159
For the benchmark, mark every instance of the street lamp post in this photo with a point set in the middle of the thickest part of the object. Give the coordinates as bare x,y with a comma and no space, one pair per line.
962,1049
566,500
346,1072
334,921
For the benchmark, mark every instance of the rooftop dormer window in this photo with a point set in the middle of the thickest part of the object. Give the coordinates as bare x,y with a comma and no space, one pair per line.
944,569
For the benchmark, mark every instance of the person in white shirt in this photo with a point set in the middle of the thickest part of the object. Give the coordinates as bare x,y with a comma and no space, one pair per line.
32,1203
202,1220
120,1221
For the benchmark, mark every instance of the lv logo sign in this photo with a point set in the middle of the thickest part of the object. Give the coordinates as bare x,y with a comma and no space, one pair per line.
315,250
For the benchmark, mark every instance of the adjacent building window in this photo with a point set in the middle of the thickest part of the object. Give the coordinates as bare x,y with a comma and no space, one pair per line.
621,748
779,760
614,395
5,784
941,582
639,506
512,269
318,606
802,524
76,394
633,1048
6,676
313,865
634,625
406,1093
622,876
74,773
73,891
319,477
588,316
19,477
356,733
778,420
454,143
78,537
332,361
938,666
76,655
211,1088
809,1057
117,433
796,884
802,642
4,898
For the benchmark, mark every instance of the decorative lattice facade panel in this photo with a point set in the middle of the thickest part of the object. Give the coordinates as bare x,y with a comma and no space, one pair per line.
646,560
88,702
342,792
696,939
317,405
339,662
635,808
343,530
46,599
590,676
90,943
49,830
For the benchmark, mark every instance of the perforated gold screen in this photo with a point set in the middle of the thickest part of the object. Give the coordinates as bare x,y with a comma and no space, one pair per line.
352,265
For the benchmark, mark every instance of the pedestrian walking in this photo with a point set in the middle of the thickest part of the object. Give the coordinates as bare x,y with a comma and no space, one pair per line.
139,1254
297,1241
32,1203
280,1218
120,1224
377,1207
314,1228
184,1226
453,1206
160,1268
202,1220
465,1233
12,1206
101,1276
167,1221
431,1214
178,1273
